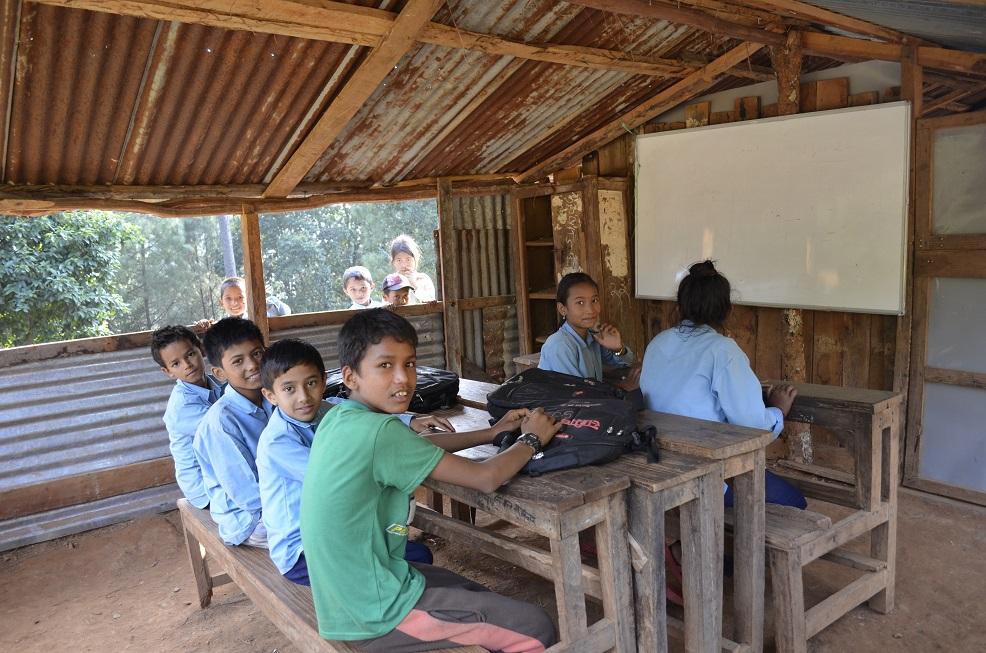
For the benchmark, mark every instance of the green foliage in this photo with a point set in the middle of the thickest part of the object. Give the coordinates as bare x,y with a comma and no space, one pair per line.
80,274
56,275
305,253
172,275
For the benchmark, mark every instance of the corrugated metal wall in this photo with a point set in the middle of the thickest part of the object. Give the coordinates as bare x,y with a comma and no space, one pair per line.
490,337
431,340
96,412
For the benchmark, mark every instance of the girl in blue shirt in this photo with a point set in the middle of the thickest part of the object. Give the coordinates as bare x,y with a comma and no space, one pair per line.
583,346
692,369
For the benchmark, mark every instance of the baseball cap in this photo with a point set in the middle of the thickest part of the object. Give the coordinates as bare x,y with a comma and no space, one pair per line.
395,281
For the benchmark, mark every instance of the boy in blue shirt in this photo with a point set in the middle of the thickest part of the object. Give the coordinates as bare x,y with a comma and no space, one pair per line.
355,510
226,440
293,376
179,353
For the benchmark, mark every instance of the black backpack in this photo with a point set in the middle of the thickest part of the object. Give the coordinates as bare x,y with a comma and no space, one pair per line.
595,432
536,387
435,389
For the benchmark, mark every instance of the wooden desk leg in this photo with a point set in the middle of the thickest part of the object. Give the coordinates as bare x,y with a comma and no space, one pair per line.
702,544
614,571
196,556
748,553
883,539
647,529
566,560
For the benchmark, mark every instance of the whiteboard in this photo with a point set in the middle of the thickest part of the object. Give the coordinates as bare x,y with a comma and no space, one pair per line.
805,211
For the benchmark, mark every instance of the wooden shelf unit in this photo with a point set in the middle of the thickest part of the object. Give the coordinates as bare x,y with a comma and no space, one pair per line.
556,231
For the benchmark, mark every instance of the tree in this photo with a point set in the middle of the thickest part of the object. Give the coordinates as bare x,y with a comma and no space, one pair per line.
57,276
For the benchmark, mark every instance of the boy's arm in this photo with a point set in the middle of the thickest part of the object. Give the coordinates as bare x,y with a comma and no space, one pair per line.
188,473
458,441
289,457
229,463
488,475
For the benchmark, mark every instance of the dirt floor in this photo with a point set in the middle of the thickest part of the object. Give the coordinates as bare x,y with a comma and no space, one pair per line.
129,588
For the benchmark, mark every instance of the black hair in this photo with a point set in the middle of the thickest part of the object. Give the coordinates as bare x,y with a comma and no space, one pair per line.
285,354
226,333
703,296
572,279
404,244
368,328
170,334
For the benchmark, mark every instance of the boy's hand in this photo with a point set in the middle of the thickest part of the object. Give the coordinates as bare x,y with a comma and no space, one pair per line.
430,423
511,421
609,337
540,424
201,326
782,396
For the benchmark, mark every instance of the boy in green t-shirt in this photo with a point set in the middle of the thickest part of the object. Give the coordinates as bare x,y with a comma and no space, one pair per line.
355,510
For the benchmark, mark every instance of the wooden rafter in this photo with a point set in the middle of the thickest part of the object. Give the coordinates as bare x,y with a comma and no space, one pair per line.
380,62
670,97
685,16
826,17
947,101
843,47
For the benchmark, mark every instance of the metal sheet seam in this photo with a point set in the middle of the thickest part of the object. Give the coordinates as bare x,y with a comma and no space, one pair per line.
140,93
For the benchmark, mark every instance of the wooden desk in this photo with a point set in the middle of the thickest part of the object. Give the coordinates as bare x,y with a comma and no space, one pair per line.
741,452
867,422
558,506
694,486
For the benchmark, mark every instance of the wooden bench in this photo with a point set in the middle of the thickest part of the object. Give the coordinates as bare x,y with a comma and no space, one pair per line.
288,605
868,423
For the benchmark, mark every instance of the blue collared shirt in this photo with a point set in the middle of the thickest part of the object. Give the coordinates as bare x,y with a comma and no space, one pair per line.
565,351
697,372
226,447
282,458
186,408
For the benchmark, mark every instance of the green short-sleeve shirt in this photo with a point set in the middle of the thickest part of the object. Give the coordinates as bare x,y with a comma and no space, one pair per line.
354,514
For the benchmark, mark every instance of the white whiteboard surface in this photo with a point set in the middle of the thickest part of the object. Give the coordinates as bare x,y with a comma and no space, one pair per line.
807,211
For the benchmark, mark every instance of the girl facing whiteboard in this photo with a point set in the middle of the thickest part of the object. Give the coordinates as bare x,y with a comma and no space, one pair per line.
692,369
583,346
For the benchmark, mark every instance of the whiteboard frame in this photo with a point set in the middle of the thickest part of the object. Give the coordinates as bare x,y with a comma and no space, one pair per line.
640,256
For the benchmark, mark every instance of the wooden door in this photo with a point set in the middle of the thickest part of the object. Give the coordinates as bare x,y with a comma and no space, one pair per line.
945,450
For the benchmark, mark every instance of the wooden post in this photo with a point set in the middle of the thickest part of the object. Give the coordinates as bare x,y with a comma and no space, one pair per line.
911,89
253,270
451,283
787,66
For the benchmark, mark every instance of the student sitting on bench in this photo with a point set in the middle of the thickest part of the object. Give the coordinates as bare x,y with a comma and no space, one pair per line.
179,353
293,376
582,346
355,510
692,369
226,439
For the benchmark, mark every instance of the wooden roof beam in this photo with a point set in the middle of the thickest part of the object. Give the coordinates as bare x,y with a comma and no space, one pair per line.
685,16
670,97
805,11
838,47
380,62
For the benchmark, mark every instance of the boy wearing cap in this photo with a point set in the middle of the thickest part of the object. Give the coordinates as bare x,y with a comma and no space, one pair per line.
396,289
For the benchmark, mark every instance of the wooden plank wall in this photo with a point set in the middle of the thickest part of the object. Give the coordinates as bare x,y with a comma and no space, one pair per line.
842,349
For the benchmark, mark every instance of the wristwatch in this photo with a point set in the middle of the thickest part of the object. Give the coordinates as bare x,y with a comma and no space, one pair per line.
621,353
532,441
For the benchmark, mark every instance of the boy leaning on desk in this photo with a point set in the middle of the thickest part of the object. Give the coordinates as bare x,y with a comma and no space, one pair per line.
355,511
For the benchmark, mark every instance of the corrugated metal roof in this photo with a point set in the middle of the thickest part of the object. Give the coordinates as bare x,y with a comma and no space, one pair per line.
959,25
98,98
